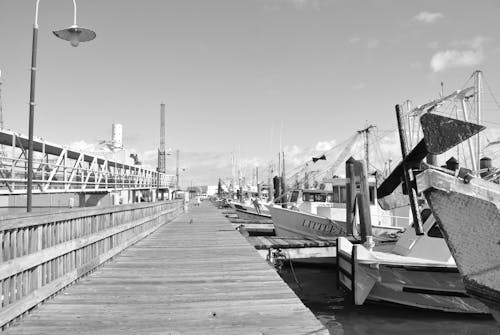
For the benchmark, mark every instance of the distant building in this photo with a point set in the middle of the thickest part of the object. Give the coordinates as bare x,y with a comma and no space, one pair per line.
194,191
211,190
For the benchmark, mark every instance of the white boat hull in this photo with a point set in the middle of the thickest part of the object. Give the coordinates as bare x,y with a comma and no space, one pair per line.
426,286
437,289
250,212
291,223
248,215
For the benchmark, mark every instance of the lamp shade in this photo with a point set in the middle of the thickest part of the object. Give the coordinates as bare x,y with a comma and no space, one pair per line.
75,35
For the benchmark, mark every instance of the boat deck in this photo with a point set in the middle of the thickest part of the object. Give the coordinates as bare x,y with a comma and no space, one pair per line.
195,275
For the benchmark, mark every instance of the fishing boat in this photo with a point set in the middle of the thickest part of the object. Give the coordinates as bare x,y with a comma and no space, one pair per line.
467,210
420,271
321,214
253,210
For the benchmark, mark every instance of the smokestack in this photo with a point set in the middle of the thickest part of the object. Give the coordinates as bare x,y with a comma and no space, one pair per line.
1,111
117,136
162,163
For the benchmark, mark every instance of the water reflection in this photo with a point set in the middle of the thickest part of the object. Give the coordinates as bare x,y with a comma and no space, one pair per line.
316,286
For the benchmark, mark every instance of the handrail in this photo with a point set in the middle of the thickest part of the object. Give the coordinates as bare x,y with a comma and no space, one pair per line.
23,220
42,253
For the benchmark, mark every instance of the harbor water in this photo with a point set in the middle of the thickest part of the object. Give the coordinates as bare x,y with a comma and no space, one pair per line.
316,287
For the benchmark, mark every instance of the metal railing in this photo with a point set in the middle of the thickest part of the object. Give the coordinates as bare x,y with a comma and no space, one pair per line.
57,169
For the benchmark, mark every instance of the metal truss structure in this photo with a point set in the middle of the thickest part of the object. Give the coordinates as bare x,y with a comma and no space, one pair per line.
57,169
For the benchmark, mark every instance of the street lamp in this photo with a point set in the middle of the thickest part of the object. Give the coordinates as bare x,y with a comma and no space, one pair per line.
74,35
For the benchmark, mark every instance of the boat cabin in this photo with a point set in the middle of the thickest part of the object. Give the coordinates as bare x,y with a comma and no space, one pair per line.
332,203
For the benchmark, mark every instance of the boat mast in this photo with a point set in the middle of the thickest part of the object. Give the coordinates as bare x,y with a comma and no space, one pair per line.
240,176
478,74
270,188
257,180
366,133
367,149
278,173
283,180
408,176
232,175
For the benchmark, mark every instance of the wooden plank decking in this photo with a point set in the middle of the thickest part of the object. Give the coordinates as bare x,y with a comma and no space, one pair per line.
195,275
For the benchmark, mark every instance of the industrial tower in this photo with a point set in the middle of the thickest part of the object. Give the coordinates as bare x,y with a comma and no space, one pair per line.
2,151
162,155
1,110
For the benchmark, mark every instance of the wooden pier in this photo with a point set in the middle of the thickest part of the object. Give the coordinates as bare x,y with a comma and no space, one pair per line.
194,275
314,251
253,227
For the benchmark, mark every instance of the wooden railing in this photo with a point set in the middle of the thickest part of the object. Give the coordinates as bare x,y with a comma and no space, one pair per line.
43,253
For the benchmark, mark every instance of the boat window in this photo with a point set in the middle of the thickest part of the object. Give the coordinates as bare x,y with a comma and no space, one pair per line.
295,196
329,197
435,231
372,194
336,194
319,197
306,197
343,195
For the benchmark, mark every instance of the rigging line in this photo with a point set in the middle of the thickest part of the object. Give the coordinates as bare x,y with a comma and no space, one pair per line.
378,151
303,165
448,108
352,154
353,141
491,122
495,152
381,137
491,92
468,80
387,131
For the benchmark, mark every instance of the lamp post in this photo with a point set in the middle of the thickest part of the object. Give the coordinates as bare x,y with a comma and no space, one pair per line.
74,35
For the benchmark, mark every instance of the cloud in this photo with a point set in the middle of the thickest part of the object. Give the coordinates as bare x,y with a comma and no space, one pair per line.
83,146
471,54
427,17
354,40
205,168
102,150
475,43
372,43
455,58
359,86
325,145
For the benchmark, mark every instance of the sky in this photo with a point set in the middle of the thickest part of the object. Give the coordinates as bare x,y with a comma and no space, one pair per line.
234,74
